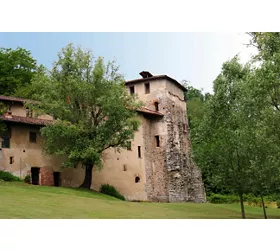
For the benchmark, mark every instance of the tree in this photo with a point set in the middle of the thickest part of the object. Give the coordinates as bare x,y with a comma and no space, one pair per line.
91,105
195,104
264,91
17,68
220,144
267,43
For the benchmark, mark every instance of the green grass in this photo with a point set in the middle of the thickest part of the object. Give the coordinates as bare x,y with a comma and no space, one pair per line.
19,200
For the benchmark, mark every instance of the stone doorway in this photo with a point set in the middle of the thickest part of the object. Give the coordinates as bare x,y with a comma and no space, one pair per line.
35,172
56,179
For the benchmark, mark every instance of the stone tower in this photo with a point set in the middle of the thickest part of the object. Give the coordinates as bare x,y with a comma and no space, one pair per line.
171,174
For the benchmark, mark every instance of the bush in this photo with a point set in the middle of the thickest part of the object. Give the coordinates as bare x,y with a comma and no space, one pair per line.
278,203
7,176
250,198
111,190
222,199
27,179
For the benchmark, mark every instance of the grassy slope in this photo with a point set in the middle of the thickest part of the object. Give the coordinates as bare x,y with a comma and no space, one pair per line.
18,200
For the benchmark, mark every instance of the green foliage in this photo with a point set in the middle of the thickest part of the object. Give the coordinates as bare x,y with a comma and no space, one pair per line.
220,143
27,179
267,43
195,104
17,68
7,176
222,199
250,198
237,142
278,203
111,190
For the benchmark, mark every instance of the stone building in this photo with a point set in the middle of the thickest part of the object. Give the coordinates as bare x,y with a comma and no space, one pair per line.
157,165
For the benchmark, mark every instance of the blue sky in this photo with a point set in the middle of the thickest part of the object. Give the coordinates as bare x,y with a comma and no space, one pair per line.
196,57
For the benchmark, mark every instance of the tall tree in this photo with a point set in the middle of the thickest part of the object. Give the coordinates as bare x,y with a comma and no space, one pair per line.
17,68
91,105
264,94
220,145
196,104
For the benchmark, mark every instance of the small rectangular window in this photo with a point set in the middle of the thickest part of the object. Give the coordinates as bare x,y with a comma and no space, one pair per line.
32,137
128,145
157,140
131,90
156,106
5,141
139,151
10,109
6,138
11,160
147,88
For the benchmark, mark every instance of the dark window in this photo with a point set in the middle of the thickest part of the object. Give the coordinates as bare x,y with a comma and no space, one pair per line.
6,138
139,151
147,88
157,140
5,141
137,179
156,106
11,160
128,145
10,109
32,137
131,90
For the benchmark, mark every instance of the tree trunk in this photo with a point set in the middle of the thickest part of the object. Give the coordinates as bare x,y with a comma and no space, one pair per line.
264,212
88,176
242,206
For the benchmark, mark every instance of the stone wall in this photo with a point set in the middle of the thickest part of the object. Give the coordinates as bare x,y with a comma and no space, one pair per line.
156,174
184,178
171,174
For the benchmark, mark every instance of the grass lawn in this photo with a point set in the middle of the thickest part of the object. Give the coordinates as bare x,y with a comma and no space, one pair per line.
19,200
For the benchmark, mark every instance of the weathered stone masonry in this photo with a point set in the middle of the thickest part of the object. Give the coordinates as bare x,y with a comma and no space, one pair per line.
171,174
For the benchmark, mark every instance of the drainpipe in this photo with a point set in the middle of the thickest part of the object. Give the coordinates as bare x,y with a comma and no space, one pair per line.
20,167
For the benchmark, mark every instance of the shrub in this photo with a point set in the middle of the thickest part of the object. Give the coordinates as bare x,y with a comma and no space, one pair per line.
250,198
278,203
111,190
7,176
222,199
27,179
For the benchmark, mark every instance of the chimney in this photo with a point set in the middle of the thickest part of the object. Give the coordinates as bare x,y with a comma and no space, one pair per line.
145,74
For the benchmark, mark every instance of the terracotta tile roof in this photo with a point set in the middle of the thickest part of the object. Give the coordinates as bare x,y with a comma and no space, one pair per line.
15,99
25,120
156,78
149,111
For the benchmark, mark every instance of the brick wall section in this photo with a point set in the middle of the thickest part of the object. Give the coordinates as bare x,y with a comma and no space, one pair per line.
46,177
